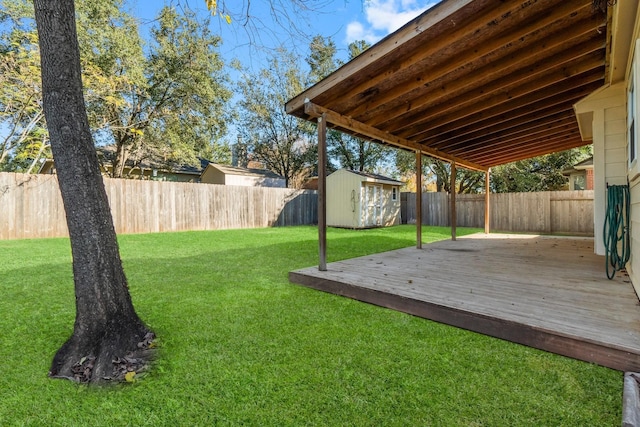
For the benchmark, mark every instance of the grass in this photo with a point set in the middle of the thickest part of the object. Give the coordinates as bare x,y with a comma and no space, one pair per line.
240,345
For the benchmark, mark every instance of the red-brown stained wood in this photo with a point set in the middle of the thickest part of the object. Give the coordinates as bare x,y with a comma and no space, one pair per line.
470,71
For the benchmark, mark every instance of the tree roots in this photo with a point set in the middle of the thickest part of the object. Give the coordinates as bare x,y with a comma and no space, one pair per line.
109,365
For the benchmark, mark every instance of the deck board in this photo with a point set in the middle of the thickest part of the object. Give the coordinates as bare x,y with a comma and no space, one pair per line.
546,292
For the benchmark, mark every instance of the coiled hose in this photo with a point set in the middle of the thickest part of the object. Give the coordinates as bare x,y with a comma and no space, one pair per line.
616,228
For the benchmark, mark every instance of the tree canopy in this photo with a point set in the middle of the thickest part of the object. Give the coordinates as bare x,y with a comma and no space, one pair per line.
278,140
343,150
165,101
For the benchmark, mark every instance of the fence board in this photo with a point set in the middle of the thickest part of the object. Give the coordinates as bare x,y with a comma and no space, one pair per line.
31,206
548,212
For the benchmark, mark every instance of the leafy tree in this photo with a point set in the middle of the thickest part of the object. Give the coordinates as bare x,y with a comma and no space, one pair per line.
344,151
321,59
25,138
108,337
438,171
273,137
543,173
168,105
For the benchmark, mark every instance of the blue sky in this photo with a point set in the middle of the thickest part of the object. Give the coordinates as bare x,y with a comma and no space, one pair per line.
343,20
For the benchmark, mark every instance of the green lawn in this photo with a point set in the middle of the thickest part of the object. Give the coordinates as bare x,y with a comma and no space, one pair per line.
240,345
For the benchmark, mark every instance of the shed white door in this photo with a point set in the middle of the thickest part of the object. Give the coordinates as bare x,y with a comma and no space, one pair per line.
373,205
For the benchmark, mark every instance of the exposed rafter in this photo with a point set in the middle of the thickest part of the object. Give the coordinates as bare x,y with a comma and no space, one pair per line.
344,123
477,82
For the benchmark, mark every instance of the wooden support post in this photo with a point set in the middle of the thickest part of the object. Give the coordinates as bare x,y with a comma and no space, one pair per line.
452,193
418,199
487,201
322,192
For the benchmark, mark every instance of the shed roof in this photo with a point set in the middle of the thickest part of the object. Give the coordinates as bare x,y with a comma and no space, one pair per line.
479,82
374,177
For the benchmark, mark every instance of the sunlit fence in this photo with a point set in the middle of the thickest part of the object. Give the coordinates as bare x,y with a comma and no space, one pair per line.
548,212
31,206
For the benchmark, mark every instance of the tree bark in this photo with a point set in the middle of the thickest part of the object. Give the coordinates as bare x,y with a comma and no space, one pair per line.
107,328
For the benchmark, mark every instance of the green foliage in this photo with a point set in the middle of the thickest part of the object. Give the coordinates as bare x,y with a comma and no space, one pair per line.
543,173
166,103
343,150
188,88
321,58
278,140
240,345
439,172
24,139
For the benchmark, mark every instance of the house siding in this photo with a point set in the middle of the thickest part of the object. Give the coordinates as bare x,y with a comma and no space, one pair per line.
633,266
615,144
212,176
608,128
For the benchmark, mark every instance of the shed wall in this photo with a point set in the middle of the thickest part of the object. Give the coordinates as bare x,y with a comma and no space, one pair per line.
390,207
347,201
344,200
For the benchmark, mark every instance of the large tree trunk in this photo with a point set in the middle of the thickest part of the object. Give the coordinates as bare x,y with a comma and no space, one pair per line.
107,328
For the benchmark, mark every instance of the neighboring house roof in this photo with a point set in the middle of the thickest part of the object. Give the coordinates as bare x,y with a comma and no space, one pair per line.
106,156
478,82
579,167
235,170
585,164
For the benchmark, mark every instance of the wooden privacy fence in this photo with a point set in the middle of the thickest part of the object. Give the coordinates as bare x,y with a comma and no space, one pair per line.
547,212
31,206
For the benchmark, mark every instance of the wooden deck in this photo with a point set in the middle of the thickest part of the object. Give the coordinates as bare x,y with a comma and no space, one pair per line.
549,293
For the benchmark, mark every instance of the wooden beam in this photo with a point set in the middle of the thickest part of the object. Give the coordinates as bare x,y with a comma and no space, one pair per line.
452,193
512,87
565,120
487,202
504,146
418,199
374,134
414,29
322,192
535,151
466,79
496,105
537,114
519,38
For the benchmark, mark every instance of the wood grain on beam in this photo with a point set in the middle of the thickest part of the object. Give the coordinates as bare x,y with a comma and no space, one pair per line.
377,135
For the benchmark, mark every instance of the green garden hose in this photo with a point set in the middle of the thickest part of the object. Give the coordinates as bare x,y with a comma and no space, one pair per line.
616,228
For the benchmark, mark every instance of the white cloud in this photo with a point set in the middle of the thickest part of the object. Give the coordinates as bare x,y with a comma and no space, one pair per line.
384,17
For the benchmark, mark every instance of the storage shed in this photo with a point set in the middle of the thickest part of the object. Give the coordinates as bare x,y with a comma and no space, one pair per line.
362,200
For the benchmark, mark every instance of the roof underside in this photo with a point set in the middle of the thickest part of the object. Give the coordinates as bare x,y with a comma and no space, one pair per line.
479,82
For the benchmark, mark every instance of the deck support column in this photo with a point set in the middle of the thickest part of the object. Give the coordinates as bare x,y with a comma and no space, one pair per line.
452,194
487,202
322,192
418,199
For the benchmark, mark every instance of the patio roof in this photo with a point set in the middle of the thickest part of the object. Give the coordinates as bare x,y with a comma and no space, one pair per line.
477,82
